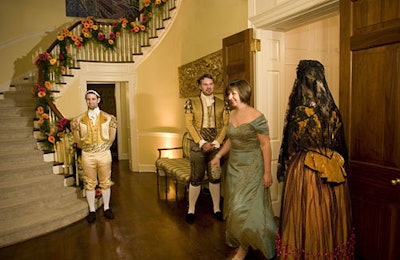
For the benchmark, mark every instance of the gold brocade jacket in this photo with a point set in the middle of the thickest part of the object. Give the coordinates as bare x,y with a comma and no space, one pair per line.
194,118
90,136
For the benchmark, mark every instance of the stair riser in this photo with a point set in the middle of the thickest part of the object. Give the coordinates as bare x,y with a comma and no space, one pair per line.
27,157
43,224
7,147
16,122
24,173
15,135
31,189
23,111
21,207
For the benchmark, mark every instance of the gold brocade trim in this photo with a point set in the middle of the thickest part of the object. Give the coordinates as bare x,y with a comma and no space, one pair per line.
330,168
95,148
189,73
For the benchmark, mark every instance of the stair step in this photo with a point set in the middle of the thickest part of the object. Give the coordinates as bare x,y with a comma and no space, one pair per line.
23,171
15,133
30,186
23,205
41,222
22,145
15,156
16,122
7,103
26,111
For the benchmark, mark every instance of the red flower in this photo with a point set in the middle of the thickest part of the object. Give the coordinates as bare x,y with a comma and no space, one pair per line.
100,36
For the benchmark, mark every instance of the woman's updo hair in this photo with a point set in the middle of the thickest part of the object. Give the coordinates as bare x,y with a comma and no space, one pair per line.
243,88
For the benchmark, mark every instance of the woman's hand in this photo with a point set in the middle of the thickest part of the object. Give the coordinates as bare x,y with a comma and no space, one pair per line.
215,161
267,180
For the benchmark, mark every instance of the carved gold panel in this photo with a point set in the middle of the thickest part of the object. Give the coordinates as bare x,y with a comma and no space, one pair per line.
190,72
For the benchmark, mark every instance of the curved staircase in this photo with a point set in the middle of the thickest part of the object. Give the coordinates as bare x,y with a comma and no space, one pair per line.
33,200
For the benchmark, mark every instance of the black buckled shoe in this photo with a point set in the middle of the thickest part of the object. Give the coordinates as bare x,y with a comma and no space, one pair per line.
218,216
91,217
108,214
190,218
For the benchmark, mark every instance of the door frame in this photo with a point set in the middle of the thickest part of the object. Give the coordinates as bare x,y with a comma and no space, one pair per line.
116,73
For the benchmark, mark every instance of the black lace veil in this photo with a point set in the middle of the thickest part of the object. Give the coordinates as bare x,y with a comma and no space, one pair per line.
311,90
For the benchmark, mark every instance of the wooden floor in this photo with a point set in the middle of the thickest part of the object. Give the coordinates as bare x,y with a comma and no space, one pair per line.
146,226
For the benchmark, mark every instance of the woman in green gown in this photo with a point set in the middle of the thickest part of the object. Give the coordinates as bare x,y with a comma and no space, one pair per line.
247,202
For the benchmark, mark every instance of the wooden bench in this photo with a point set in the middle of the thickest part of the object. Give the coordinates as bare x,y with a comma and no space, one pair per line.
176,168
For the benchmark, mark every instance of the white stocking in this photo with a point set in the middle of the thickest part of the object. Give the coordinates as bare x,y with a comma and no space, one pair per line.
106,194
90,195
194,192
215,195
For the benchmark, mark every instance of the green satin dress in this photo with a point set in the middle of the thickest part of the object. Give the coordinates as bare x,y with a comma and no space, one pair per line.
247,204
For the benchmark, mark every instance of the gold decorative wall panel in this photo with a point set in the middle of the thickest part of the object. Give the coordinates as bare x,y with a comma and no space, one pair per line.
190,72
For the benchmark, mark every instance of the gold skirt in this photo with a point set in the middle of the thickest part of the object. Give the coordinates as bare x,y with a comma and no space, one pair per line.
315,220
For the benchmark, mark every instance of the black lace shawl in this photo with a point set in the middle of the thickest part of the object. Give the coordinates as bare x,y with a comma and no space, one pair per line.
312,120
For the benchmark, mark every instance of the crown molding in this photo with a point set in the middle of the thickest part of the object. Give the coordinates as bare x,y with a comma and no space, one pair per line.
295,13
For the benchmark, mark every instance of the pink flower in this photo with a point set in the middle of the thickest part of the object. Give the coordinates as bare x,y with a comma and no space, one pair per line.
100,36
63,121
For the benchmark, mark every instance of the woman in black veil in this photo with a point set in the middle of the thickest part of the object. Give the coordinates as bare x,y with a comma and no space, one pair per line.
315,221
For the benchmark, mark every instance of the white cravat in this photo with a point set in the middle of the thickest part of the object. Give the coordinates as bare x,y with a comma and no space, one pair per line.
209,99
93,114
208,110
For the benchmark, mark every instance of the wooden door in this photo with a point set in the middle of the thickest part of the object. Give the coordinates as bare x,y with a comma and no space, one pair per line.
238,58
370,105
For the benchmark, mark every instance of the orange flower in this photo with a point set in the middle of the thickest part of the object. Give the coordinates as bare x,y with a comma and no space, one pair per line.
51,139
40,110
41,94
41,120
123,20
142,27
45,116
65,32
146,2
47,84
117,34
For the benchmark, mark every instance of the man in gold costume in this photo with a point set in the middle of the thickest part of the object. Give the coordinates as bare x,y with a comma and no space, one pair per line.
206,120
94,132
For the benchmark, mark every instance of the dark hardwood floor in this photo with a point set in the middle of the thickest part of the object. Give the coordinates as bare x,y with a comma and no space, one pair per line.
145,227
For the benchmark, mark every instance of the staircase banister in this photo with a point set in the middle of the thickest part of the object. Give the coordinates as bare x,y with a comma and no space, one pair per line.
55,42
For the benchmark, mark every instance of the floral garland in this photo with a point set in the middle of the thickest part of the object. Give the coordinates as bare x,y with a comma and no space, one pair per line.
55,129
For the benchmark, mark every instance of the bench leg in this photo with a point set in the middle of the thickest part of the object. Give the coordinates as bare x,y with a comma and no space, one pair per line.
176,190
